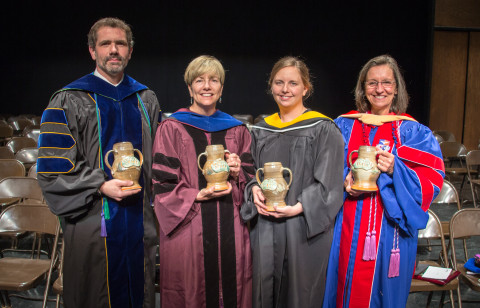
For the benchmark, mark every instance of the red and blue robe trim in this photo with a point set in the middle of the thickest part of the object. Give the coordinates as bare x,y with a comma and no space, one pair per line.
402,200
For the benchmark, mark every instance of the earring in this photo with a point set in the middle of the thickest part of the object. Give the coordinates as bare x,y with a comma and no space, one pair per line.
191,100
220,100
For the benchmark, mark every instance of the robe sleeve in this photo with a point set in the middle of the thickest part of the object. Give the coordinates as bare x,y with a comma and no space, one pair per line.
174,190
417,178
68,181
243,141
322,199
248,210
154,117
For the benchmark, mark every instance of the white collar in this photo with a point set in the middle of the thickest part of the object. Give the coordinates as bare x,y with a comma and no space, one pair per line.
96,73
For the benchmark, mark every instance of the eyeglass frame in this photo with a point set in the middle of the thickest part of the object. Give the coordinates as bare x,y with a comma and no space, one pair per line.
374,84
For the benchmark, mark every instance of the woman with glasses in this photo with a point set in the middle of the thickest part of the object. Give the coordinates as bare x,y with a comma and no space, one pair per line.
374,246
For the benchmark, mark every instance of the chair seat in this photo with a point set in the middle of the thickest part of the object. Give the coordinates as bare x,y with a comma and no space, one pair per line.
422,285
9,201
471,280
22,273
58,285
475,182
456,171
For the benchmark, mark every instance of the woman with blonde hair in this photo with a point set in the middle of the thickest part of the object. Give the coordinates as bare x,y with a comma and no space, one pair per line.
205,256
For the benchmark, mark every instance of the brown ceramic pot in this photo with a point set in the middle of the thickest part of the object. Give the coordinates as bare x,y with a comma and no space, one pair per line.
364,170
216,169
274,186
125,165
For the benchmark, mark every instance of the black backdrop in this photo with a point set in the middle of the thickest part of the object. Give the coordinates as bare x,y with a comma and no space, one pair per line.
44,47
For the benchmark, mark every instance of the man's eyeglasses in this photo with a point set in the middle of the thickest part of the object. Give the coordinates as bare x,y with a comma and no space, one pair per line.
387,84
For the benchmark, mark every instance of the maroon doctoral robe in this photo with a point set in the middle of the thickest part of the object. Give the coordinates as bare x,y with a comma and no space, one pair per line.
205,258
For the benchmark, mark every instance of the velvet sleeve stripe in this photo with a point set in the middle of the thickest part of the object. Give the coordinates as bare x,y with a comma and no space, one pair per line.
52,164
249,170
54,115
163,188
246,158
55,140
163,176
162,159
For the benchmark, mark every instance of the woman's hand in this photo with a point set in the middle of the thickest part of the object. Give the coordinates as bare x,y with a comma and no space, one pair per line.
287,211
386,160
259,201
348,186
235,164
210,193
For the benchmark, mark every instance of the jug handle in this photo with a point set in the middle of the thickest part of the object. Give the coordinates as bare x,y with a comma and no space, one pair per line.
256,175
198,160
291,176
140,155
350,159
106,160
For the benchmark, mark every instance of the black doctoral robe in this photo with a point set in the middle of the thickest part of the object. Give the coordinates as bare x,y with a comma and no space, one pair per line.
290,255
117,270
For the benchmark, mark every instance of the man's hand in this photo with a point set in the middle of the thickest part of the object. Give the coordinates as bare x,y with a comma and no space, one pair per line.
113,189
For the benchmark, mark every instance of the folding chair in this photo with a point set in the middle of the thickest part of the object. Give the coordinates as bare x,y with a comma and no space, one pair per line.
448,197
27,156
20,189
21,273
32,131
453,155
473,164
17,143
438,137
245,118
32,172
9,168
18,124
445,134
6,133
465,224
433,231
260,117
6,153
57,286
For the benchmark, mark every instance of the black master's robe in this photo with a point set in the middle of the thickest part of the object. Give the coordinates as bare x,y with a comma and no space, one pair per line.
290,255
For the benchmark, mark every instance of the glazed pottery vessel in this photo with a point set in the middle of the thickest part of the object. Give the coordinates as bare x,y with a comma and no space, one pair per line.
125,165
274,186
364,170
216,169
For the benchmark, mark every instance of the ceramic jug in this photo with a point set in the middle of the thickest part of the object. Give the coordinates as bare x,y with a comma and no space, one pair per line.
216,169
364,170
125,165
274,186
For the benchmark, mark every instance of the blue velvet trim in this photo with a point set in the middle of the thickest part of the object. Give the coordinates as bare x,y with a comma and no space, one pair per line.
216,122
122,121
54,115
92,83
54,165
55,140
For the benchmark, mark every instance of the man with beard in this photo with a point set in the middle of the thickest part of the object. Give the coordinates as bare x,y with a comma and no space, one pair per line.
109,231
